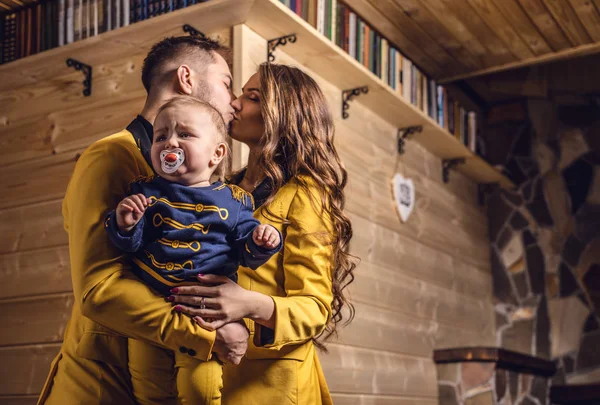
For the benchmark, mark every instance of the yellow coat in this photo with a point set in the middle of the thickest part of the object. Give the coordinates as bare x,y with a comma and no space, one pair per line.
286,370
110,302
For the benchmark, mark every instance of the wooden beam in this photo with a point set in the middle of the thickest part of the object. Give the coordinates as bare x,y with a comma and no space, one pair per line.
583,50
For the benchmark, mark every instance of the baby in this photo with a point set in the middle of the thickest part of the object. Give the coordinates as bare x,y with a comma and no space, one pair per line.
179,224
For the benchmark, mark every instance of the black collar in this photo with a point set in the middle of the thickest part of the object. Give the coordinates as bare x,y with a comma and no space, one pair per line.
142,130
260,193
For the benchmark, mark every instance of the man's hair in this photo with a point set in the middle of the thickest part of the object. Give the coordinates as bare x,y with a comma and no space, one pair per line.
217,121
202,49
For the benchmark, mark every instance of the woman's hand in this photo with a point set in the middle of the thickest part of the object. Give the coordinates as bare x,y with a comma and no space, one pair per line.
217,302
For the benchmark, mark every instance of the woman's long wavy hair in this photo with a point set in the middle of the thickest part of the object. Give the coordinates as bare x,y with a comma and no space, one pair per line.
298,139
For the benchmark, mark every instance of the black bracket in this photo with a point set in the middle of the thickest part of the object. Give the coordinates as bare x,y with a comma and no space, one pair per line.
448,164
348,95
272,44
405,134
485,188
87,72
193,31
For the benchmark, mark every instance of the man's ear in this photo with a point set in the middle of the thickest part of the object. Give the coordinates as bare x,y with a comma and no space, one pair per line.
219,154
184,83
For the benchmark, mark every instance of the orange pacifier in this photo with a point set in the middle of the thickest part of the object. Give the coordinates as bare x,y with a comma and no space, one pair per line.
171,160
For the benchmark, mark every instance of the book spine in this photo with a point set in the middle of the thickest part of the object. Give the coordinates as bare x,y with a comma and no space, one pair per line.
2,36
352,35
472,131
321,16
399,79
69,35
126,13
384,62
333,21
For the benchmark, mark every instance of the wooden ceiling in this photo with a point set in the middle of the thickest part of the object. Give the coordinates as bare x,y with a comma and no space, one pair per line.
455,39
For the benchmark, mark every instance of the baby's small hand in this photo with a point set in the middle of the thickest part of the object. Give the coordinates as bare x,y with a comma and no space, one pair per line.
266,235
130,210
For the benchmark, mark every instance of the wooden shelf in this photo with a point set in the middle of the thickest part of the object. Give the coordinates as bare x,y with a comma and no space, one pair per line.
113,45
270,19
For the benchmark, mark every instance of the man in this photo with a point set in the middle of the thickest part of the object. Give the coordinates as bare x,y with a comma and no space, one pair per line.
111,305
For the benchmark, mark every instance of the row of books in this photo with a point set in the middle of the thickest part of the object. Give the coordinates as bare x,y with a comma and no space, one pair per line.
51,23
346,29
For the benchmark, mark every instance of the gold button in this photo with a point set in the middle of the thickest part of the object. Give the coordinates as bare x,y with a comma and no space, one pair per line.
175,244
170,266
199,207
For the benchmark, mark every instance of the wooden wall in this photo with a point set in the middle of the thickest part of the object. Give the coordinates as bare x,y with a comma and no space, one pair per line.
421,285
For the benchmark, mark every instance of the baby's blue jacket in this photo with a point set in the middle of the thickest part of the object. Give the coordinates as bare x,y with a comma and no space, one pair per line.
187,231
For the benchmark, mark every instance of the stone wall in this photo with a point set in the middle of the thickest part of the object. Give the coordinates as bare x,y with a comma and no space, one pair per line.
483,383
545,245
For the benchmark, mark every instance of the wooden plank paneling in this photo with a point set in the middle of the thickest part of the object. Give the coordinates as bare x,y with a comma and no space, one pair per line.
113,81
523,25
566,17
381,246
37,272
496,49
39,319
415,33
589,15
446,17
545,23
66,129
490,14
394,290
441,232
36,181
30,227
356,370
395,332
431,25
24,369
354,399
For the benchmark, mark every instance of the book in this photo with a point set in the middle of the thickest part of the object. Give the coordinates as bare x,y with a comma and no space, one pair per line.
385,51
332,20
406,79
321,16
312,13
472,131
366,46
399,78
353,25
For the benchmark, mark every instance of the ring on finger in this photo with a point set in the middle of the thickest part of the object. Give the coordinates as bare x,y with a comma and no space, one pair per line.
202,303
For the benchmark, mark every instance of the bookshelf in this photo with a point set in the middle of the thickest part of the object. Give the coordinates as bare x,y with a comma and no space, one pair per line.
270,19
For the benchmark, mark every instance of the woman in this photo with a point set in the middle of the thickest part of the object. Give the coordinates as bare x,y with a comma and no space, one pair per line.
297,180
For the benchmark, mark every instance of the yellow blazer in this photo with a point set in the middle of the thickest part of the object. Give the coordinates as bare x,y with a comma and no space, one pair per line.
110,302
285,369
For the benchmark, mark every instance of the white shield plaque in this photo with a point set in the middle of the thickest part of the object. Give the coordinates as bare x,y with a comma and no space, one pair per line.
404,195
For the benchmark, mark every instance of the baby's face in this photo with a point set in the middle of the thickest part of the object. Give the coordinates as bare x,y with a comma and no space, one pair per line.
184,149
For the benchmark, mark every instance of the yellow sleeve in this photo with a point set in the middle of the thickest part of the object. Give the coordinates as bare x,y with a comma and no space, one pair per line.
103,283
305,309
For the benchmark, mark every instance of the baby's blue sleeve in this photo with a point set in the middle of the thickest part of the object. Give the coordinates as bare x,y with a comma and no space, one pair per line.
133,240
251,255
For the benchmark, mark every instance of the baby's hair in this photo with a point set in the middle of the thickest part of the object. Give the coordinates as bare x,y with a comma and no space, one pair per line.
217,120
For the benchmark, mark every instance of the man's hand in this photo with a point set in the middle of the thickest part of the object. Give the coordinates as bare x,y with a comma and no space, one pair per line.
231,342
129,212
266,235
